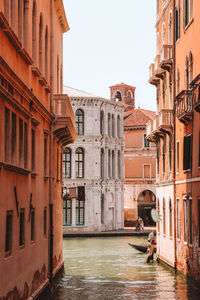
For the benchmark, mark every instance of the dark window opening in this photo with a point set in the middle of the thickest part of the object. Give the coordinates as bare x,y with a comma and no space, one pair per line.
67,163
32,225
187,152
45,222
67,212
79,123
80,209
79,163
22,228
8,240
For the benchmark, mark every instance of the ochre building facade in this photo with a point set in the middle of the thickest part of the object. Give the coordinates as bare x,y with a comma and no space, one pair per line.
36,122
176,76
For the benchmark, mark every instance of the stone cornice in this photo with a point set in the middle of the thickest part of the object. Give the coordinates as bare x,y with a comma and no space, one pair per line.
61,15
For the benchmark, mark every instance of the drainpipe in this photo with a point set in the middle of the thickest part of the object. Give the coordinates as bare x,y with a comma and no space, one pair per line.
51,154
174,127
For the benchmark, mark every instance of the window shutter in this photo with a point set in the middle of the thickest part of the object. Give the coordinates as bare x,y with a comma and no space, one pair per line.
199,148
190,150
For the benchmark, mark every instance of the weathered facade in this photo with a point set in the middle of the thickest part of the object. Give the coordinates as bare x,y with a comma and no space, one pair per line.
180,58
139,158
160,130
34,126
94,162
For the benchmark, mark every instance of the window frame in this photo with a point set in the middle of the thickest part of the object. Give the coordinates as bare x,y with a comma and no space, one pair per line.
79,162
67,162
79,121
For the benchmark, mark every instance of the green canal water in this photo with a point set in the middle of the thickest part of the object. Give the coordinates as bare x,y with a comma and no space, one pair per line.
108,268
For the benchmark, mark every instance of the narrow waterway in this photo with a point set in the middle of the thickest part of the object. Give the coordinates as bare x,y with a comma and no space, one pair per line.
108,268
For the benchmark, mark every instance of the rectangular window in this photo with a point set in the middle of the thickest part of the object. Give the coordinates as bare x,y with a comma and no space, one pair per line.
8,239
57,164
22,227
158,159
170,154
21,143
185,219
80,207
32,225
164,152
177,156
187,12
177,15
32,150
25,145
13,139
190,223
45,156
178,218
7,134
146,143
45,222
67,212
187,152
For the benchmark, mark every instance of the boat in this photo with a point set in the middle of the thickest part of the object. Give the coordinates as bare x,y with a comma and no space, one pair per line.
139,247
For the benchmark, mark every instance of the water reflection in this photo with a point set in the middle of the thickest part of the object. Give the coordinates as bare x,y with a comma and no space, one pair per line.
107,268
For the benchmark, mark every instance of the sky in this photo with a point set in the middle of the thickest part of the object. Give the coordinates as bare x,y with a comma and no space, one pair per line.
109,42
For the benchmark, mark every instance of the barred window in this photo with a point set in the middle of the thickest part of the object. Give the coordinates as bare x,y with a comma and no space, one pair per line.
67,163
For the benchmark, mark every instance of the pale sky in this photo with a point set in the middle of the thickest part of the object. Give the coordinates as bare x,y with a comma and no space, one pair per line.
109,42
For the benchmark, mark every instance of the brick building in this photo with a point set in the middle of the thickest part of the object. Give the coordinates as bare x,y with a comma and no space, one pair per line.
36,121
139,158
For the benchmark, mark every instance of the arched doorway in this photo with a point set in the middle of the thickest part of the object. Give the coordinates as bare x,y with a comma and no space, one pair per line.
146,201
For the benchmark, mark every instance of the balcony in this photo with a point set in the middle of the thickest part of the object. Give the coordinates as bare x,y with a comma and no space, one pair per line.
158,71
184,106
166,57
153,133
165,121
64,125
152,78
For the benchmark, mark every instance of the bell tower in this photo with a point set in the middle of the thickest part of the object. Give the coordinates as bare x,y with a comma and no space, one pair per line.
123,93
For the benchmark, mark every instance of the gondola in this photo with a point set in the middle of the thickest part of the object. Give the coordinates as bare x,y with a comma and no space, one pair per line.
139,248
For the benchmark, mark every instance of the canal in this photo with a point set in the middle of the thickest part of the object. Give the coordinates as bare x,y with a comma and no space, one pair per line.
108,268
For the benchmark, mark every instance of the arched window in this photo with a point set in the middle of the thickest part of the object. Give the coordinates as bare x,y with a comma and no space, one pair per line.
102,164
119,164
186,73
67,163
109,125
109,164
190,67
158,208
79,123
113,126
178,81
13,2
57,74
34,15
102,122
118,96
170,28
113,164
163,34
118,126
7,9
170,218
20,18
25,23
40,43
79,163
164,217
46,53
129,97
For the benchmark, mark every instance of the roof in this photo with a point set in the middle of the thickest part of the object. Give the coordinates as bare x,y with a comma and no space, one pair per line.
74,93
138,117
